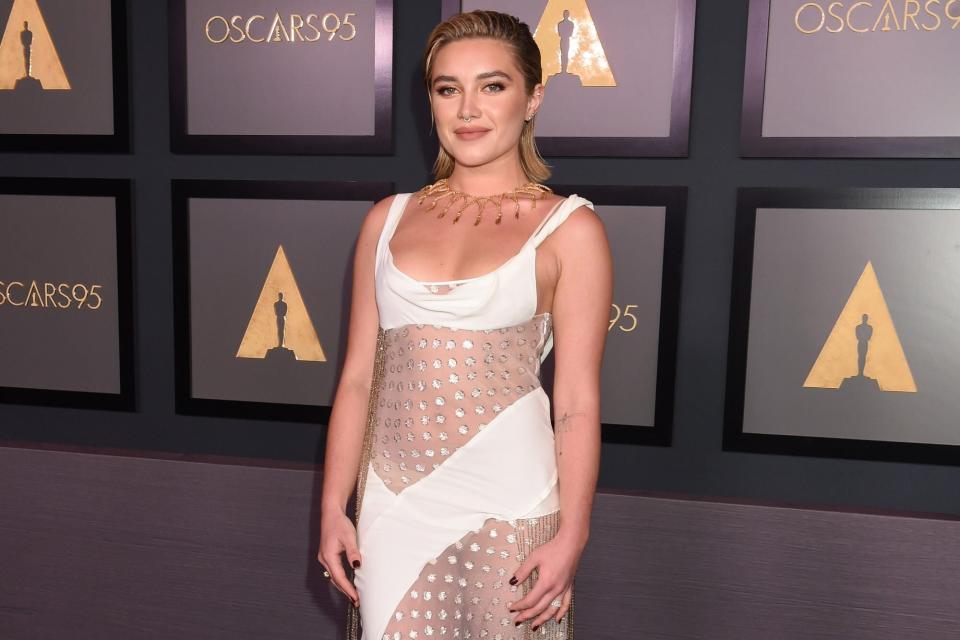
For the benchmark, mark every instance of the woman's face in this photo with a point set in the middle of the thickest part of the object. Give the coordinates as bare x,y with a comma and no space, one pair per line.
477,79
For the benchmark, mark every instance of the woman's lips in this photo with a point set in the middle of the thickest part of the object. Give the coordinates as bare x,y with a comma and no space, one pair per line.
465,133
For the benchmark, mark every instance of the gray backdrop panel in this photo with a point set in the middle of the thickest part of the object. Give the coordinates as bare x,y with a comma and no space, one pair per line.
280,88
233,242
806,263
52,346
629,375
82,36
880,83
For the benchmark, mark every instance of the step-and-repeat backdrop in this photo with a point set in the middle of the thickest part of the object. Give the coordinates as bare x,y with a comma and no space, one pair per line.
843,299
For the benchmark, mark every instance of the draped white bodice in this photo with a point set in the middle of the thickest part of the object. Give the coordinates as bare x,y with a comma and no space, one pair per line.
503,297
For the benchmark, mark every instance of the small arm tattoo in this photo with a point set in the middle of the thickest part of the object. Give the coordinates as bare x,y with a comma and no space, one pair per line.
563,424
565,421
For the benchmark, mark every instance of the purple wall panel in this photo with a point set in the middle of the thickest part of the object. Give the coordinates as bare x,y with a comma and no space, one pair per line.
104,546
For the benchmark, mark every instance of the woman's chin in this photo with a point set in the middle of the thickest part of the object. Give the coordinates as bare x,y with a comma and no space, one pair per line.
473,162
473,157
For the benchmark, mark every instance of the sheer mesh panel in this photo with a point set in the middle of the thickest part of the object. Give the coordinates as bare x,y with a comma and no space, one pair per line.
442,386
464,593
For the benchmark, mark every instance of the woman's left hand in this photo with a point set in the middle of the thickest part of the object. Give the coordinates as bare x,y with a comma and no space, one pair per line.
556,563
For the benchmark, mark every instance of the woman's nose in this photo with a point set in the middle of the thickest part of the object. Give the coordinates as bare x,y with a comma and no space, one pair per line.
468,105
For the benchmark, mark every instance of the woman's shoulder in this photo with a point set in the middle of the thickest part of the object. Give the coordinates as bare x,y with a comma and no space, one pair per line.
383,205
582,225
371,228
377,215
584,209
553,198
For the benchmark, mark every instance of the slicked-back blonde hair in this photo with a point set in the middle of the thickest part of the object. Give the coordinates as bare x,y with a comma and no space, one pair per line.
526,54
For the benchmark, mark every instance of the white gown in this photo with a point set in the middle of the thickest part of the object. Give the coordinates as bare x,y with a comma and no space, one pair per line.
462,475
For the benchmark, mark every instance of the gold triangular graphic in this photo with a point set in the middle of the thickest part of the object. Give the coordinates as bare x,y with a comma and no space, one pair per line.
280,298
278,31
586,57
29,46
863,336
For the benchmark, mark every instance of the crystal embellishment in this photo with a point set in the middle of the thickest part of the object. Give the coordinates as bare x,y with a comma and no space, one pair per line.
457,386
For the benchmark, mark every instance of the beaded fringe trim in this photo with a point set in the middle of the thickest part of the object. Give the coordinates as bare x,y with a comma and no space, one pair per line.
531,533
353,614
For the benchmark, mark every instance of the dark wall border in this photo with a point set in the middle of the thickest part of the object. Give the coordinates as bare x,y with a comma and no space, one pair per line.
121,191
748,201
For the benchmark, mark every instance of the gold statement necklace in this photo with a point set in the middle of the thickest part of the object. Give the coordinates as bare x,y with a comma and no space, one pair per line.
441,189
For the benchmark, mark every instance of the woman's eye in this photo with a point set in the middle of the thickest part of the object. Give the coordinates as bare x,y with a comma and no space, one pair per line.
443,91
497,86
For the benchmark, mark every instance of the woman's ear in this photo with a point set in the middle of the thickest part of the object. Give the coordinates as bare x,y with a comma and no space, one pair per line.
534,101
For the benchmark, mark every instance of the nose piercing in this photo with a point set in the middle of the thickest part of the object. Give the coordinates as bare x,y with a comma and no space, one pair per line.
466,119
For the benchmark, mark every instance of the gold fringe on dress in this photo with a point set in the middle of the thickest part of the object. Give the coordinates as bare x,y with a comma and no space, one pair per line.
353,614
531,533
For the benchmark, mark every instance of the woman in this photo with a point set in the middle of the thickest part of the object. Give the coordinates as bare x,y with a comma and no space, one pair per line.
473,510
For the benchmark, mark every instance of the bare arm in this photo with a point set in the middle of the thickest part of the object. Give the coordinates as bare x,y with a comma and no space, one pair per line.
348,415
581,315
581,311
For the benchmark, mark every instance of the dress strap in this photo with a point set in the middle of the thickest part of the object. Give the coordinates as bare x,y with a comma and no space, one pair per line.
394,213
556,217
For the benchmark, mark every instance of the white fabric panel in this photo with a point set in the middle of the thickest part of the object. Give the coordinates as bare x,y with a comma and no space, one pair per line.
548,505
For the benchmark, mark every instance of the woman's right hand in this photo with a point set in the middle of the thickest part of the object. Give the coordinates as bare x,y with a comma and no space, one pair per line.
337,536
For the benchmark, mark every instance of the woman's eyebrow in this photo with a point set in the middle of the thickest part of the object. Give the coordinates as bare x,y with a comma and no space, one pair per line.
493,74
480,76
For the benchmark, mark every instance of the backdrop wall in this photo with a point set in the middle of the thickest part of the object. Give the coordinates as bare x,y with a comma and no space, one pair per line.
694,464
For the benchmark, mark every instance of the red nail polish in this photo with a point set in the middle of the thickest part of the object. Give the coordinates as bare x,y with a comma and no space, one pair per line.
356,564
513,580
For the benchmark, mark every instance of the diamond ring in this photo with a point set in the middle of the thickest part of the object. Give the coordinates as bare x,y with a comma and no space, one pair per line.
556,603
326,574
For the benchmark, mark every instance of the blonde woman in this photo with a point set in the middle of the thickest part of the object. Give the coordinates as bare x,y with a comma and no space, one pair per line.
473,510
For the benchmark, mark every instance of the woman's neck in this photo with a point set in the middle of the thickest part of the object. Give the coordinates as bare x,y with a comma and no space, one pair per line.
488,179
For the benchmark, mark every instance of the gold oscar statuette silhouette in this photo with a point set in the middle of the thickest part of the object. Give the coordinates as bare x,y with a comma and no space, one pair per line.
280,328
29,62
863,351
572,54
